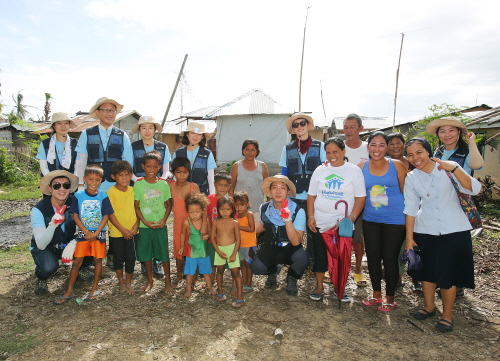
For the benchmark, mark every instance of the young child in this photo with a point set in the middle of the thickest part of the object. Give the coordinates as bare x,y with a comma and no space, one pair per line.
123,224
247,235
180,189
90,209
226,232
194,247
153,203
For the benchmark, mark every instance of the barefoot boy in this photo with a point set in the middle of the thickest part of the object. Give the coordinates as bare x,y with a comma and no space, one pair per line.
123,224
153,203
90,209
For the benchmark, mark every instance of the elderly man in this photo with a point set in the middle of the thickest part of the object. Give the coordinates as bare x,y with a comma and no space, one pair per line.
356,152
104,143
54,229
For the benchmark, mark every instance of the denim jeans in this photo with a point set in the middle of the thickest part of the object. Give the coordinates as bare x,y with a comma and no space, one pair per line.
47,261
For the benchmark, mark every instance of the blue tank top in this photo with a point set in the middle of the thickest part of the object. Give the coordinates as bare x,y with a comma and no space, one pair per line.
384,200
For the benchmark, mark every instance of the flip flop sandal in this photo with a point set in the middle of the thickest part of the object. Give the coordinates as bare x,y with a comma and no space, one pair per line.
62,300
390,306
316,296
327,278
247,289
221,298
359,279
371,301
238,303
200,286
178,285
88,297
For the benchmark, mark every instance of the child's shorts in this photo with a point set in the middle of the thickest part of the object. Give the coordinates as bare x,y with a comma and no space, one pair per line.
152,243
94,249
228,250
244,253
203,264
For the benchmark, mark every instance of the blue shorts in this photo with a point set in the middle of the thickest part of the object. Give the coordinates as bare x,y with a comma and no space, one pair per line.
203,264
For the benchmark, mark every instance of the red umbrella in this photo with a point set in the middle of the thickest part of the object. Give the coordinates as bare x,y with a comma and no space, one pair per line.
338,251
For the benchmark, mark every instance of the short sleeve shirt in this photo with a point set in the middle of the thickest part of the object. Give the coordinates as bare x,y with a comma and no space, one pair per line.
152,198
123,205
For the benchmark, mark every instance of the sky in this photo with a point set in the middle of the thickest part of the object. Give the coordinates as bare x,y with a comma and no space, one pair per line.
132,51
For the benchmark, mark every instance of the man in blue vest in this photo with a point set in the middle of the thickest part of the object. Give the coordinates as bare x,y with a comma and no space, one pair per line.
104,143
54,229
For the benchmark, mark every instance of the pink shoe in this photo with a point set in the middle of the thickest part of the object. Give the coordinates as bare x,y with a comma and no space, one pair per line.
390,306
372,301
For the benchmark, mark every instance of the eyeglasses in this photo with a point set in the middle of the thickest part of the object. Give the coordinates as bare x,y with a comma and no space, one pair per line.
110,111
65,185
300,124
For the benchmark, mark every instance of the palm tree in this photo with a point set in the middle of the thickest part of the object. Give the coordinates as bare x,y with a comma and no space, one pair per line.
46,108
20,109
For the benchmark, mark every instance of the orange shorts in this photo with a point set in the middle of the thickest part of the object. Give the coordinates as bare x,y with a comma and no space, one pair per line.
95,249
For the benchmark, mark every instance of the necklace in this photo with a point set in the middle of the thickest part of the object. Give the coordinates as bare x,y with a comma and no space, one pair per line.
428,190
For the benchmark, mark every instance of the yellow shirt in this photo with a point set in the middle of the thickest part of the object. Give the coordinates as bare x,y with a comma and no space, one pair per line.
123,207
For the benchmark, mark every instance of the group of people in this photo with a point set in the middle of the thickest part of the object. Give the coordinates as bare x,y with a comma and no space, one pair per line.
218,216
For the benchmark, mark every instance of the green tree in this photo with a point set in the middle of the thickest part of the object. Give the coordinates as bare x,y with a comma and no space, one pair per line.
20,109
46,108
437,111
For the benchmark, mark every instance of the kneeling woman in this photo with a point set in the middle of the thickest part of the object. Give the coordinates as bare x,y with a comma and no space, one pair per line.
284,223
436,223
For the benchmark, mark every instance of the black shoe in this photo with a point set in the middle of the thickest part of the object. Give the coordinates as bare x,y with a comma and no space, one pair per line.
460,292
158,269
86,274
272,279
41,287
424,315
143,269
291,286
444,326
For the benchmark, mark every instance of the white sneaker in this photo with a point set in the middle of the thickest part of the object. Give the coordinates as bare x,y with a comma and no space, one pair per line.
345,298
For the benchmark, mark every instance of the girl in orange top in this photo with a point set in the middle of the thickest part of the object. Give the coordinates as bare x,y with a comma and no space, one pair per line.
248,237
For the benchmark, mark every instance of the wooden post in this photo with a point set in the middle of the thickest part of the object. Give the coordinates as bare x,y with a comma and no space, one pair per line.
397,80
173,93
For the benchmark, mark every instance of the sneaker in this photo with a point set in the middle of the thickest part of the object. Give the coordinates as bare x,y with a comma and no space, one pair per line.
86,274
291,286
345,298
272,279
158,269
41,287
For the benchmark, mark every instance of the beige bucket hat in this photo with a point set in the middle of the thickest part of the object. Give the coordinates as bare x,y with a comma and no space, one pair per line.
146,119
195,127
45,181
61,117
266,185
101,101
290,120
453,121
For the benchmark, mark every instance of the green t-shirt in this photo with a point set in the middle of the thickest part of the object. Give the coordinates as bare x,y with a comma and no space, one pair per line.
151,199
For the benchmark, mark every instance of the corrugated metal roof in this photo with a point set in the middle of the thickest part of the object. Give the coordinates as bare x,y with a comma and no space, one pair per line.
489,117
369,123
255,101
4,125
177,126
200,113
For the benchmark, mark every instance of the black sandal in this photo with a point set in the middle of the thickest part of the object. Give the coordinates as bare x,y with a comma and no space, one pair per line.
419,315
444,325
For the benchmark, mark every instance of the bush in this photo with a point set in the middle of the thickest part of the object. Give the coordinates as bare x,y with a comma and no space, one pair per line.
12,172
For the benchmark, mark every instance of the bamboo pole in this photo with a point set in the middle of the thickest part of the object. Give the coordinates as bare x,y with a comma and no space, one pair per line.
397,79
302,60
173,93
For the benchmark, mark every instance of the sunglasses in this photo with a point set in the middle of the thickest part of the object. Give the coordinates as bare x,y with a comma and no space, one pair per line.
300,124
65,185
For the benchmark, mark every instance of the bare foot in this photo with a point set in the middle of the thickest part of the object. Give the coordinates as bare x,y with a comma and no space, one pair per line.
211,290
187,294
130,289
177,280
147,287
234,292
168,289
123,288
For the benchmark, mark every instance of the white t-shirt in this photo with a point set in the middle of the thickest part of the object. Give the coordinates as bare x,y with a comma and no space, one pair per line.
357,155
331,184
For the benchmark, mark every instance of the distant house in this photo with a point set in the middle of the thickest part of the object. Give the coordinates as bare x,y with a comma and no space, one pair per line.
171,129
13,135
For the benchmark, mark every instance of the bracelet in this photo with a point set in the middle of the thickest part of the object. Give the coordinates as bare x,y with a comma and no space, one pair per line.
310,218
454,169
355,217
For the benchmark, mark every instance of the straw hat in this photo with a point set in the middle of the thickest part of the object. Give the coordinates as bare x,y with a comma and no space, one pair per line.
146,119
266,185
101,101
195,127
61,117
45,181
453,121
290,120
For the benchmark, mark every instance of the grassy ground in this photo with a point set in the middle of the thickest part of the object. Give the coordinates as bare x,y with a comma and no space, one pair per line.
16,192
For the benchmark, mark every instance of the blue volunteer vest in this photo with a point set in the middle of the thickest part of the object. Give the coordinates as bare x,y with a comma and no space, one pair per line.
139,151
57,165
274,234
199,171
97,154
459,155
60,237
298,172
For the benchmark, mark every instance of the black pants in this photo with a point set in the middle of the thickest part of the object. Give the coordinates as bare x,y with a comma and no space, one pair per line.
123,253
268,257
320,257
383,243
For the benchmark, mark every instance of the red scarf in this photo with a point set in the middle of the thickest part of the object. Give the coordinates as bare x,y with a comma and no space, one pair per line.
304,144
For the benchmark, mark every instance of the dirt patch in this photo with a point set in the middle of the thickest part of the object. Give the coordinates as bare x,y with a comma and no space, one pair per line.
155,326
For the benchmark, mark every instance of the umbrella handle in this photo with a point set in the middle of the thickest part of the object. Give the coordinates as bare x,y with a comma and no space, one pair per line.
346,206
